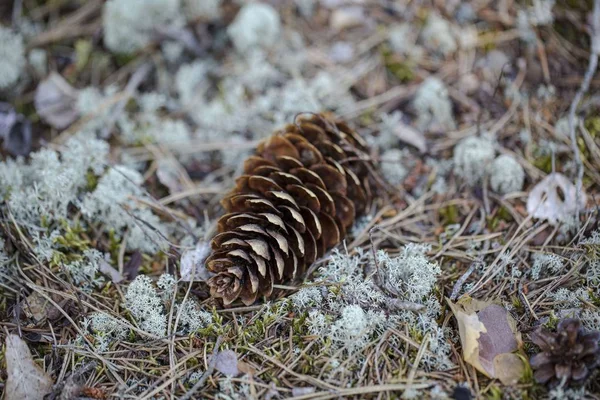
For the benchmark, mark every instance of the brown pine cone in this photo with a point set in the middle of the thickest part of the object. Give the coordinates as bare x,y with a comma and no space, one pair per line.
298,195
570,354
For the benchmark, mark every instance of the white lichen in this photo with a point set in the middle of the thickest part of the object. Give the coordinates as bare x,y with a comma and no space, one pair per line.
202,9
38,59
437,35
392,166
106,330
307,297
410,272
83,270
129,25
471,158
561,127
355,327
540,13
402,38
387,127
113,202
360,309
12,57
433,106
506,175
146,306
543,263
192,317
39,194
257,25
191,80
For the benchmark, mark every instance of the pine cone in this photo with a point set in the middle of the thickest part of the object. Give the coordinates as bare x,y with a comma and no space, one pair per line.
570,354
298,195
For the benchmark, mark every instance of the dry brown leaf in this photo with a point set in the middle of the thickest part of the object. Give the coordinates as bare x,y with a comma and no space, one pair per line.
25,379
489,339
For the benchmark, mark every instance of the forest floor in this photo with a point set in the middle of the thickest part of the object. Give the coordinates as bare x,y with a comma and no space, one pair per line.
124,122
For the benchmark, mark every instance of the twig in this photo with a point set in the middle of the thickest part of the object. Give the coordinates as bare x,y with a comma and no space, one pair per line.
206,374
461,281
585,85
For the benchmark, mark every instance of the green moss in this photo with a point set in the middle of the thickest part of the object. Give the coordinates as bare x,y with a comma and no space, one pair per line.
543,163
527,377
83,51
403,71
502,215
592,124
72,237
449,214
552,321
516,302
91,181
123,59
494,392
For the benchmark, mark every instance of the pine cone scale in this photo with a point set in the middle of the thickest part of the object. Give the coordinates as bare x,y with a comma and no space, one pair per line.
295,200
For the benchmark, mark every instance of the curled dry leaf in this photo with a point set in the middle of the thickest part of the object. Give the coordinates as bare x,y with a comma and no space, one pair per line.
554,199
55,101
25,379
489,339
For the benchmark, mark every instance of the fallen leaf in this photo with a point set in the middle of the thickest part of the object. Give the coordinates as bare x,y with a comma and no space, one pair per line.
412,136
36,307
509,368
497,338
55,101
191,266
25,379
110,271
489,339
15,131
227,363
554,199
